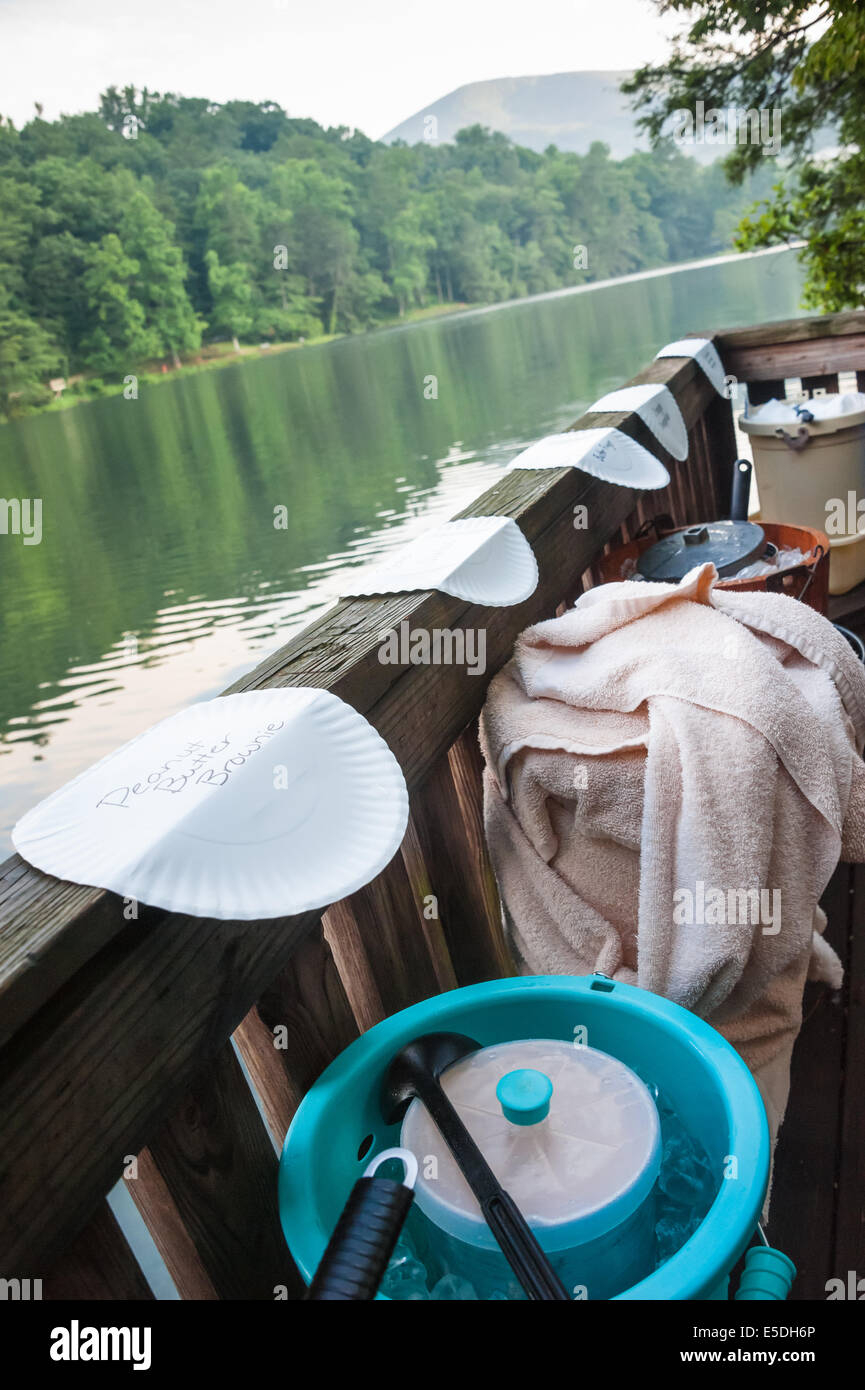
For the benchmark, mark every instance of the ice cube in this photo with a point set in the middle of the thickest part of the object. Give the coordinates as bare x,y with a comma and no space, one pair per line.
685,1178
454,1289
407,1292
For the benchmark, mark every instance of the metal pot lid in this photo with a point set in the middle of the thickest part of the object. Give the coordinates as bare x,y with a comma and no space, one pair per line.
729,545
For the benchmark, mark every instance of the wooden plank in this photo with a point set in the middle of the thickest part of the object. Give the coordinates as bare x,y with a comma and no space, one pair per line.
571,590
303,1020
150,1194
699,501
48,928
385,920
467,770
822,357
421,887
721,451
850,323
705,508
345,941
850,1226
680,504
848,609
98,1265
447,816
258,1047
693,474
220,1169
802,1214
88,1079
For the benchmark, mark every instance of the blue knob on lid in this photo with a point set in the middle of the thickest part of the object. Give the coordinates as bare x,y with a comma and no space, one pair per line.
525,1096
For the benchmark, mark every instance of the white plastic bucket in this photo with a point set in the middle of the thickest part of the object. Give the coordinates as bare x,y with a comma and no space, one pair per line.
808,469
805,464
846,563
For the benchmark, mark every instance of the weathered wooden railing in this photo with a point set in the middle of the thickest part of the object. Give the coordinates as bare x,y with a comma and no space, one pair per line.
116,1054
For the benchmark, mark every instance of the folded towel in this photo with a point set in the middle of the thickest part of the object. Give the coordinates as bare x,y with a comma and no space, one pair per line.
672,775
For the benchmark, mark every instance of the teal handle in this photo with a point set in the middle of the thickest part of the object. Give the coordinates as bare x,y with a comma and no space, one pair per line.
768,1274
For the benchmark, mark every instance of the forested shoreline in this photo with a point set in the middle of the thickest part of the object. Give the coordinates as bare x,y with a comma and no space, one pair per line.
133,235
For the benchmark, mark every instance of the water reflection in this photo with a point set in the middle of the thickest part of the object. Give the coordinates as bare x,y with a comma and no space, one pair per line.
161,576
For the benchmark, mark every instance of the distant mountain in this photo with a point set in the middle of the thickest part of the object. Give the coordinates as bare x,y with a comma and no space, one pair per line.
568,109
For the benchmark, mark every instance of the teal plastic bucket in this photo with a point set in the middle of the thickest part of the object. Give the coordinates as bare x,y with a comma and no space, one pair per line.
338,1127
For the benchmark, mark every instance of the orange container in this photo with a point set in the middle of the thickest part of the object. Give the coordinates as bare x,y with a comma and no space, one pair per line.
808,581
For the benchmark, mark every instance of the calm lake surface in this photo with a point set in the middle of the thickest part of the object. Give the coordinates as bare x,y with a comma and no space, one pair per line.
160,576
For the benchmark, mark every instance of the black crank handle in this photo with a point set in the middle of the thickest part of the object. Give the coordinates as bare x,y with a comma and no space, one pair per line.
357,1254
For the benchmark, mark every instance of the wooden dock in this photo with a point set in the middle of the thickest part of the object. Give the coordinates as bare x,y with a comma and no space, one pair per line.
120,1042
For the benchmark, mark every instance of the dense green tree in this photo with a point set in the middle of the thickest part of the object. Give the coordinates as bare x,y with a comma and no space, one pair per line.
19,218
228,215
28,357
408,246
125,232
325,242
57,295
160,281
231,291
801,67
118,335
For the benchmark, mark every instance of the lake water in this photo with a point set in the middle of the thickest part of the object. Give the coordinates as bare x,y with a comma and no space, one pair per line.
160,576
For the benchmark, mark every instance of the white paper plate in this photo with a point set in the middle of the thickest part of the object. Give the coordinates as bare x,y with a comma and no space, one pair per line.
249,806
604,453
705,354
483,559
656,405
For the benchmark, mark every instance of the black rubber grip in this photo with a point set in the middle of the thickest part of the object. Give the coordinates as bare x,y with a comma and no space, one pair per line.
356,1257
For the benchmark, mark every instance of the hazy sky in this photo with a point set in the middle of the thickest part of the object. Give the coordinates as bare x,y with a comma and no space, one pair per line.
364,63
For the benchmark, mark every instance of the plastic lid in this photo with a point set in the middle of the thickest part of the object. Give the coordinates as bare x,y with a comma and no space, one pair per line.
575,1172
821,414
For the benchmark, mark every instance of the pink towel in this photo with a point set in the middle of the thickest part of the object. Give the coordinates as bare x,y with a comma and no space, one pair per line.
672,776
